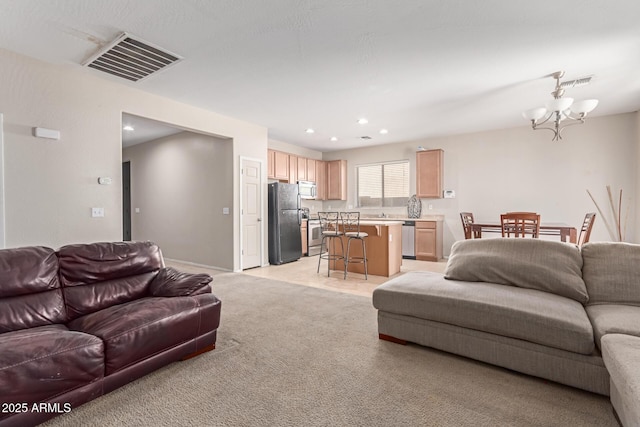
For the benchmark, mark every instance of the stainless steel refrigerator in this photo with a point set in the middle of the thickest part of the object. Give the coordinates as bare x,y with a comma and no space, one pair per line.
285,243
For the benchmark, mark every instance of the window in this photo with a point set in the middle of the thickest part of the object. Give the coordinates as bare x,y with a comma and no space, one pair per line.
383,184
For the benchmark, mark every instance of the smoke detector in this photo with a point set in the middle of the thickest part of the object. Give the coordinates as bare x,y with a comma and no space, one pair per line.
131,58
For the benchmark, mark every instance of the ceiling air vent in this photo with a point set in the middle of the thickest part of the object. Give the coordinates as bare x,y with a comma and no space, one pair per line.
577,82
131,58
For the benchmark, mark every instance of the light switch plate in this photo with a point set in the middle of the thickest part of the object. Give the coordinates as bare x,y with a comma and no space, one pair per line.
97,212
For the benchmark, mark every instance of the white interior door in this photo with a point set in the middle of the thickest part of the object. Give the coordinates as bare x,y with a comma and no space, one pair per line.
251,213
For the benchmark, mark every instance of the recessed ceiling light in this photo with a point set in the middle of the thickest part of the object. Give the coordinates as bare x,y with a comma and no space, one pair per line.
309,130
384,131
363,121
334,138
128,127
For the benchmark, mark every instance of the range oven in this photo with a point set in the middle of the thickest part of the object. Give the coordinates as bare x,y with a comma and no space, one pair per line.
314,236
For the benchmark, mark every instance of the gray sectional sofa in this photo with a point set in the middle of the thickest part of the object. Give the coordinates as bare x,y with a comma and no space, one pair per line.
539,307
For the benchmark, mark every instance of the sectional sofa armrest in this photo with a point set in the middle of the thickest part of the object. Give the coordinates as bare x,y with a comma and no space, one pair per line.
170,282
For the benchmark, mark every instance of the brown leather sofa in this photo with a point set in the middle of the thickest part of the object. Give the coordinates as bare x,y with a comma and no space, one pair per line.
80,322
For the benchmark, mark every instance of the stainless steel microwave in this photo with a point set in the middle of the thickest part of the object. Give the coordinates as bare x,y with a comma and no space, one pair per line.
307,189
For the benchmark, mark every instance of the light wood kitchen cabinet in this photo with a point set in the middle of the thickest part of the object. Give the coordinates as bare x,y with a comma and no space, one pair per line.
337,180
281,165
302,169
304,237
293,169
429,165
428,240
271,173
312,170
321,179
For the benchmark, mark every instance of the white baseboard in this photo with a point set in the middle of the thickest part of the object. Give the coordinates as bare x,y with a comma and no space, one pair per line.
195,264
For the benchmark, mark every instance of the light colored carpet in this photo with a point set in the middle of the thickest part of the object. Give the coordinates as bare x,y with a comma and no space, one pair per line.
291,355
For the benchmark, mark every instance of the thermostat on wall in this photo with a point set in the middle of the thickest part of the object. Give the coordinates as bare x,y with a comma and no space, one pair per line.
449,194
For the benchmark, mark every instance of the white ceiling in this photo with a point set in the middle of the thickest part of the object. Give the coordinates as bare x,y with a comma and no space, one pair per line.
144,130
420,68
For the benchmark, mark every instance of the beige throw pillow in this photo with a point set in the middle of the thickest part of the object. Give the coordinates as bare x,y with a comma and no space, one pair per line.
544,265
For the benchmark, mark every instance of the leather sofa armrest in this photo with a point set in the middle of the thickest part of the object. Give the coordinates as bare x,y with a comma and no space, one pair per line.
170,282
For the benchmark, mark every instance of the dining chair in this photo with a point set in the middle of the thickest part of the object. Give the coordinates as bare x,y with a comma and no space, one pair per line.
585,230
467,222
351,228
520,224
330,229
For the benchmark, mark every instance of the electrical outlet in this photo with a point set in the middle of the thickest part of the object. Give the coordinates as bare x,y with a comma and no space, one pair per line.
430,207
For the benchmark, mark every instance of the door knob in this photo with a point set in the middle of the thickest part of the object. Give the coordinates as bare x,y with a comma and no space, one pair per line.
259,219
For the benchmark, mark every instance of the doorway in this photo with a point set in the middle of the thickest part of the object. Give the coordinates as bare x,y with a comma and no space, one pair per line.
251,209
126,201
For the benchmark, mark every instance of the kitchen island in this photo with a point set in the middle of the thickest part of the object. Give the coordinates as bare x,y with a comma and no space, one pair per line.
384,248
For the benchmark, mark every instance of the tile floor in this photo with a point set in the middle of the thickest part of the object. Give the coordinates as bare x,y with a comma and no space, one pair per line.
303,272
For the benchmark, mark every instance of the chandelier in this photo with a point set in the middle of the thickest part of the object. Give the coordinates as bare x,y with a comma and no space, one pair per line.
560,112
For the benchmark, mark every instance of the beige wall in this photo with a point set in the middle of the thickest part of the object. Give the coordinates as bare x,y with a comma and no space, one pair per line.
50,186
519,170
180,185
294,149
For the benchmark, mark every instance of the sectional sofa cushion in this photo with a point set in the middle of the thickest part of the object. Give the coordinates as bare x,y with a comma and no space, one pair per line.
621,355
611,272
30,293
614,319
543,265
170,282
526,314
45,361
139,329
100,275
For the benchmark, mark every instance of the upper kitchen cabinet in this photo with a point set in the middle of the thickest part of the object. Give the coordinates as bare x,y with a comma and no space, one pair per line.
302,169
293,169
429,165
320,170
278,165
337,180
312,170
281,165
271,173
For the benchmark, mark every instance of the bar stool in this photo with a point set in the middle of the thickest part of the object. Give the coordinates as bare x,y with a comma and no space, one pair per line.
330,229
351,228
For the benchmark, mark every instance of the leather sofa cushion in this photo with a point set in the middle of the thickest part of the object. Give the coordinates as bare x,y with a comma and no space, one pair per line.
170,282
611,272
42,362
527,314
100,275
30,293
614,319
543,265
139,329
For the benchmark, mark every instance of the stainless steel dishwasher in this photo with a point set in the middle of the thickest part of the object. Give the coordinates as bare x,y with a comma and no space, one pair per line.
409,240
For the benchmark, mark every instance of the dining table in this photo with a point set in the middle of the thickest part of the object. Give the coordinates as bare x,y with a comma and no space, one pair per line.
566,232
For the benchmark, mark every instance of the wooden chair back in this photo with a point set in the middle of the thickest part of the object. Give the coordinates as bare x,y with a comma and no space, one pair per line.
520,224
585,230
467,220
